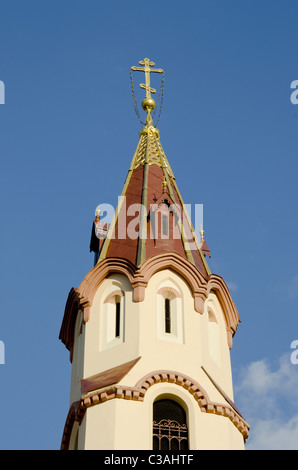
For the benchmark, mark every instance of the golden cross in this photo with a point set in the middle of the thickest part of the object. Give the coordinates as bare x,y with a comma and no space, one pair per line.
147,64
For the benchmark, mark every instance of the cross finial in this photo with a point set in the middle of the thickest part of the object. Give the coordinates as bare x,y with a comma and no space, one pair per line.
147,64
148,103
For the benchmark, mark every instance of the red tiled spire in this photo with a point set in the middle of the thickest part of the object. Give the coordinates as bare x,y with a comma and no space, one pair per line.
150,217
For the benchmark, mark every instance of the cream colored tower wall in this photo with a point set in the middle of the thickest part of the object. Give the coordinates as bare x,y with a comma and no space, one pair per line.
186,350
100,354
90,353
188,355
218,368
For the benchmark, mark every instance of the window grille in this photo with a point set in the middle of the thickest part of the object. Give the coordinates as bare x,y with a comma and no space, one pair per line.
169,426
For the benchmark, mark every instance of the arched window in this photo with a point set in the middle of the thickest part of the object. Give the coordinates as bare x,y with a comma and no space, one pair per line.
113,318
169,426
117,316
169,313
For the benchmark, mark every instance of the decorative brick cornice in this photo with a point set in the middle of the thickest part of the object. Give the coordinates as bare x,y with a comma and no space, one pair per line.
138,393
76,413
199,394
216,284
139,277
69,319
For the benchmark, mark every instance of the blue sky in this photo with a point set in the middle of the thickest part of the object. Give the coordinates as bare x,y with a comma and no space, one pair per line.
67,135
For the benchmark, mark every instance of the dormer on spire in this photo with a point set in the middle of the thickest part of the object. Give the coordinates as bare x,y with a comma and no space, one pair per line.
203,245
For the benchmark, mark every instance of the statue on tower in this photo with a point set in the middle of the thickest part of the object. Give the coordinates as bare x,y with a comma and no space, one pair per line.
98,234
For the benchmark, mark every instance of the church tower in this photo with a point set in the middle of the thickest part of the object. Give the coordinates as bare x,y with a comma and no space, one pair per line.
150,328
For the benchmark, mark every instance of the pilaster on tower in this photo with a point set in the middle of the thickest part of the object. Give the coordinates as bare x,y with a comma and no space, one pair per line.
150,328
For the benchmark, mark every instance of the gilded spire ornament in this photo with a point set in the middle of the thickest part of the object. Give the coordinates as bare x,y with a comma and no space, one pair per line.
148,104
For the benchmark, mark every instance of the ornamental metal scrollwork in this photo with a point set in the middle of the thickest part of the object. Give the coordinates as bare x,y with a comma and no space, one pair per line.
169,435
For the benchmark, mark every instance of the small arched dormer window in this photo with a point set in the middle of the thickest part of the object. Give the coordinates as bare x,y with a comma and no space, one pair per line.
170,430
164,216
165,225
113,318
169,313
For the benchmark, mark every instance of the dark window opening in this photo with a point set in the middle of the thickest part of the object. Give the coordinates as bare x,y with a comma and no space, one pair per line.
167,316
117,322
169,426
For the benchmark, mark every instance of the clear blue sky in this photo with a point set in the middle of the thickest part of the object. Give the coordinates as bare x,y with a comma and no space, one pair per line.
67,135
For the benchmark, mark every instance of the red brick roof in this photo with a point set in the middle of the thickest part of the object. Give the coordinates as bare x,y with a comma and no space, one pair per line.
151,182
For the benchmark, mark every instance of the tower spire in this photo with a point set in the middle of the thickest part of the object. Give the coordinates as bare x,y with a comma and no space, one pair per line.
150,183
